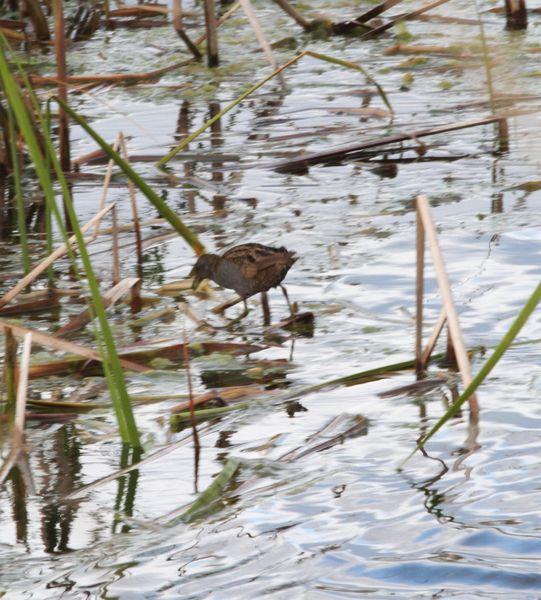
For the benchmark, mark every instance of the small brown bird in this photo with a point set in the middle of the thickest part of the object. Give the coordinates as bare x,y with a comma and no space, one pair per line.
248,269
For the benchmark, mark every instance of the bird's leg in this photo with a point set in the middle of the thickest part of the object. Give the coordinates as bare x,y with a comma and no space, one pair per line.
266,308
243,314
287,300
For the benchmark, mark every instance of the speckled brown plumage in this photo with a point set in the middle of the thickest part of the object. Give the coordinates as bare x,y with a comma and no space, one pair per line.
248,268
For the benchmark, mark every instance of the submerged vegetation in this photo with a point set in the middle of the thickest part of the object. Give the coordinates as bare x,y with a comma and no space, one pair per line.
103,318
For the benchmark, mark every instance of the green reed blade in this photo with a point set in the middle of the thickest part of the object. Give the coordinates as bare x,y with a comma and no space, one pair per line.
114,373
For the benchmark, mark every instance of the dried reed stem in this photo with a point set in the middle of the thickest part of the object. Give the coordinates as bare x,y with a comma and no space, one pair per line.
134,209
265,46
115,275
177,24
22,386
10,371
48,341
445,290
60,53
212,33
221,20
405,17
419,292
516,14
427,353
377,10
44,264
107,182
294,14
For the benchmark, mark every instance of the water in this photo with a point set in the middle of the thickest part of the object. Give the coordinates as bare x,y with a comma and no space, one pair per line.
462,522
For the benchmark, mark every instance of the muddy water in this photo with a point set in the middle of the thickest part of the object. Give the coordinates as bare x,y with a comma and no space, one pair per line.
462,522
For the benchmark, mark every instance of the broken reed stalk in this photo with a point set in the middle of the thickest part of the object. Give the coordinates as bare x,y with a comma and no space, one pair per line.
177,24
135,212
438,327
212,33
516,14
107,182
294,14
10,372
17,435
162,207
503,129
405,17
265,46
445,290
341,152
376,11
193,422
49,341
419,292
219,22
44,264
115,275
109,298
22,386
60,53
111,78
483,373
39,22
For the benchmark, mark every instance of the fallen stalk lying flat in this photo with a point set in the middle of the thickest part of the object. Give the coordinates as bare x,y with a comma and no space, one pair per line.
296,164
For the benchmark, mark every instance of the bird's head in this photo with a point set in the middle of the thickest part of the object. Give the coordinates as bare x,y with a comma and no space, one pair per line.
204,268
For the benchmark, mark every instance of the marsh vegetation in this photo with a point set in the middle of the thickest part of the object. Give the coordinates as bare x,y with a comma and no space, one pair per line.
152,447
